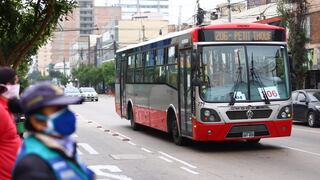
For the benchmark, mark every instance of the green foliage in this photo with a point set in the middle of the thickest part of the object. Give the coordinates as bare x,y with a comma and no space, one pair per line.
22,72
25,26
64,79
89,75
293,17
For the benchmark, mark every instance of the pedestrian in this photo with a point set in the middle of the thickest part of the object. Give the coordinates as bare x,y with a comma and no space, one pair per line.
48,151
9,139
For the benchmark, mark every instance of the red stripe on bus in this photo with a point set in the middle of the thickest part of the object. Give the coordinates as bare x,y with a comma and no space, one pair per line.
151,117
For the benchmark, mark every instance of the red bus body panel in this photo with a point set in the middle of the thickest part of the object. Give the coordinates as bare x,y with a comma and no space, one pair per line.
277,128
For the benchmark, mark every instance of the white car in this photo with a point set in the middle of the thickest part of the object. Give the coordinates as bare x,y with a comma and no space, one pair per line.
88,93
72,91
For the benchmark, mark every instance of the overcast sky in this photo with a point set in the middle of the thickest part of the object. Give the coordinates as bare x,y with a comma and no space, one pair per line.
187,8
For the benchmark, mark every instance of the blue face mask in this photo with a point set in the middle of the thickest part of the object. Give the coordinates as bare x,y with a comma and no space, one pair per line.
62,122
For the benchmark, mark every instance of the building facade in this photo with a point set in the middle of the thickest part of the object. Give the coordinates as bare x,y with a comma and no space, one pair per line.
256,3
43,59
86,17
131,7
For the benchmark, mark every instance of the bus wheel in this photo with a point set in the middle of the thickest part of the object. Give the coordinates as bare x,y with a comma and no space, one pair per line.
253,141
133,124
177,138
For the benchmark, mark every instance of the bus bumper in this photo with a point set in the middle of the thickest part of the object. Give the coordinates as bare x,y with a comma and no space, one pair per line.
237,131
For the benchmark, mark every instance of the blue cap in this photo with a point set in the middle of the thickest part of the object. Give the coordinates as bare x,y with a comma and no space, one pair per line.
45,94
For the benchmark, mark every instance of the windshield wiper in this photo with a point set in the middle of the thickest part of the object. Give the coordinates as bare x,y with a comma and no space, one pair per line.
257,77
233,94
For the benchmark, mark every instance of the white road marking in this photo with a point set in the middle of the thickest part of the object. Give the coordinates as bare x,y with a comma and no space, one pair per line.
98,170
165,159
176,159
74,136
133,144
79,152
301,150
119,137
305,130
123,135
146,150
88,148
189,170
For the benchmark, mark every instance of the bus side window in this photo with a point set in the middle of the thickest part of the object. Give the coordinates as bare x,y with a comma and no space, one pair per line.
149,67
130,71
172,73
138,75
159,72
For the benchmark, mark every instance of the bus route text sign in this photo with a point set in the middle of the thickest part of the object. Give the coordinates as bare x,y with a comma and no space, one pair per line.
242,35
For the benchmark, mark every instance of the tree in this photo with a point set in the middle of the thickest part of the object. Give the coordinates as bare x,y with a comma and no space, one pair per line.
27,25
293,14
89,75
108,72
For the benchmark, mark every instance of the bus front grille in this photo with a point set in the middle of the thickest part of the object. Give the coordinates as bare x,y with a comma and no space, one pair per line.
238,130
256,114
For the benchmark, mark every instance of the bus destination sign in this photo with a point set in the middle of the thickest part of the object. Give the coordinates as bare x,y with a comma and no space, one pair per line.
242,35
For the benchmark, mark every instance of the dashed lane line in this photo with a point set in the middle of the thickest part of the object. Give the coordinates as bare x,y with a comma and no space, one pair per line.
165,159
146,150
178,160
189,170
133,144
301,150
305,130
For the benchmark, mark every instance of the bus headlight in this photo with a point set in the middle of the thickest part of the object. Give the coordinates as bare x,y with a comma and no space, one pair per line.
209,115
285,112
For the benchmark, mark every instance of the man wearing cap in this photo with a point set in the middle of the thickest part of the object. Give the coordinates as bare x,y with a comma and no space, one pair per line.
48,152
9,139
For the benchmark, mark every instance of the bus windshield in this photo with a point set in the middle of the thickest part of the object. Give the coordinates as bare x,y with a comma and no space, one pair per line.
244,73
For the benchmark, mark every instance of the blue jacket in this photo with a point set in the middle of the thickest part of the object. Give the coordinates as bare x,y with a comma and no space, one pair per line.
38,161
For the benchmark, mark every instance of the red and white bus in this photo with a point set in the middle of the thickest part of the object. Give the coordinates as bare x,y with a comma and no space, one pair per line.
210,83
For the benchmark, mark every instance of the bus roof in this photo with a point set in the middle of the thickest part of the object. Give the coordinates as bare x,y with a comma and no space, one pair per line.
208,27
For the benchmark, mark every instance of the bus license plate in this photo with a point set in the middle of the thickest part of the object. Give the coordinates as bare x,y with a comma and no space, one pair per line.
248,134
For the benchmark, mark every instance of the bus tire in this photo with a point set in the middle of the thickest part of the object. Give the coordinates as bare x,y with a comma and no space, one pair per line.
176,136
133,124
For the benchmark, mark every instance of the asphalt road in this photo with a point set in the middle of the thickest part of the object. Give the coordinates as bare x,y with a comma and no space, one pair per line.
114,151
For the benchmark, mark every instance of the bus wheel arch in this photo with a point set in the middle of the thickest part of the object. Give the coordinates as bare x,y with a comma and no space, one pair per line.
131,118
173,127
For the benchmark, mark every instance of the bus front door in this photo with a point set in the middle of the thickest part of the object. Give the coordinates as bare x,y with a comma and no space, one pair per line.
123,104
185,93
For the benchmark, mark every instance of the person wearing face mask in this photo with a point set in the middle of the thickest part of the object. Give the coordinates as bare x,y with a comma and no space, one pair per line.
48,151
9,139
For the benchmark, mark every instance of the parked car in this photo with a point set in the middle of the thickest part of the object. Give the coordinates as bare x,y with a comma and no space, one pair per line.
306,106
72,91
89,94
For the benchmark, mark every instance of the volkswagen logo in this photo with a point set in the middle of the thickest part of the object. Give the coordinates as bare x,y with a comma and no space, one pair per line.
249,114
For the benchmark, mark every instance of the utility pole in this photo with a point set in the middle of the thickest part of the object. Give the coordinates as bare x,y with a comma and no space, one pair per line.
179,19
64,66
143,33
229,11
